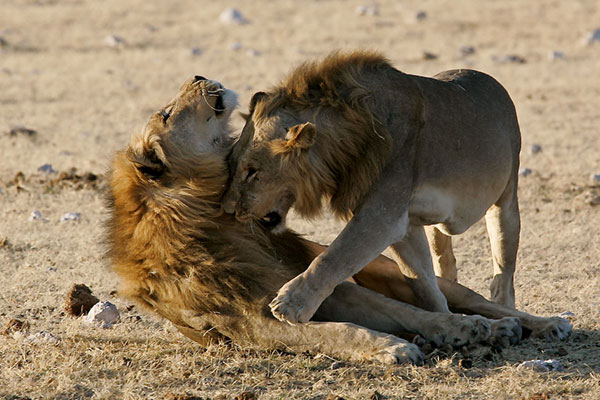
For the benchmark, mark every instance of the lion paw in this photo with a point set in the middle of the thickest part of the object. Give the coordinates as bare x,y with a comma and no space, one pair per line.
400,353
552,329
296,301
506,331
458,330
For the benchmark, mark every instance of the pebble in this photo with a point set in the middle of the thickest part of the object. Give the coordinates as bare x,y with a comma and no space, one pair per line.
37,215
370,10
72,216
232,16
595,177
21,130
524,171
252,53
509,58
47,168
104,314
566,314
593,37
235,46
114,41
542,365
535,148
421,16
429,56
467,50
196,51
556,55
3,42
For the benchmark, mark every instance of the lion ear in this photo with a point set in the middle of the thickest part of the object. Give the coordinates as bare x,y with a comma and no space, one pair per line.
258,96
150,160
301,136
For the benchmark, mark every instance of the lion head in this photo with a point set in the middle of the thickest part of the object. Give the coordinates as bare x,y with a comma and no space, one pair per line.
194,124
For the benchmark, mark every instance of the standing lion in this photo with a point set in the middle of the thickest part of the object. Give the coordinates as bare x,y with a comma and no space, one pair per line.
392,153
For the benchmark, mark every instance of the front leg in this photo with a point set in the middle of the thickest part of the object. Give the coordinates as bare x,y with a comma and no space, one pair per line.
413,256
338,339
363,239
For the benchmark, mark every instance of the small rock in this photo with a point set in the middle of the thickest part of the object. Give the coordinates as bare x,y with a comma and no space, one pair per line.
542,365
80,300
370,10
252,53
235,46
15,325
114,41
72,216
429,56
232,16
36,215
41,337
196,51
592,200
47,168
467,50
535,148
21,130
525,171
421,16
566,314
104,314
593,37
595,177
556,55
510,58
3,42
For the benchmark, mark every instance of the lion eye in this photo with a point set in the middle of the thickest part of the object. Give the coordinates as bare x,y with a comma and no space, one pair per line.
251,173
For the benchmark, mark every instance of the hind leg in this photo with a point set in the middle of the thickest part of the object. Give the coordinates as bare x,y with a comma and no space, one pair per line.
442,256
503,225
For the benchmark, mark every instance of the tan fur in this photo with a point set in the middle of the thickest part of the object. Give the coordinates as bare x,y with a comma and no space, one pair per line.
179,255
394,152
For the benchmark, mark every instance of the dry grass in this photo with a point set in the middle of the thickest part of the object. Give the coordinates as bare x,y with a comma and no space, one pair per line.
83,99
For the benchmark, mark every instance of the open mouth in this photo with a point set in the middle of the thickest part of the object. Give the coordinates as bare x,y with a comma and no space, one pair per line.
271,220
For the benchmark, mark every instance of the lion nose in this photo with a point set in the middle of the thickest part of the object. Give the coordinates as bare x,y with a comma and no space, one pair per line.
198,78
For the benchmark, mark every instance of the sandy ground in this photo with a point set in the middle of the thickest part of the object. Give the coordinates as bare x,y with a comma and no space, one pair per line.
83,96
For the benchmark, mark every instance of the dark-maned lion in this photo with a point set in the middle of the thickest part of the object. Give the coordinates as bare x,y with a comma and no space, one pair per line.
179,255
391,152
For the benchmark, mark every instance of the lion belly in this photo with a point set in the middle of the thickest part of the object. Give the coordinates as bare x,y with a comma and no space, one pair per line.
453,212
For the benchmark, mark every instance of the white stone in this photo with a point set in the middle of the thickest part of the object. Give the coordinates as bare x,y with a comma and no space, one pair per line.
595,177
114,41
104,314
72,216
370,10
593,37
252,53
235,46
196,51
556,55
36,215
542,365
566,314
232,16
